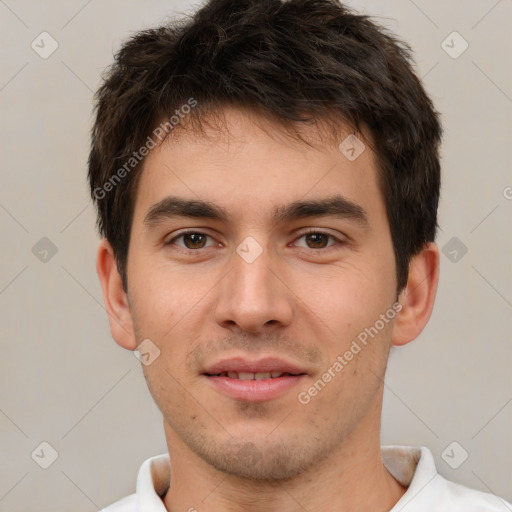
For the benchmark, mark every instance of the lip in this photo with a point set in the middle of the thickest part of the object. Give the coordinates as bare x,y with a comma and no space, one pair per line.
241,364
254,390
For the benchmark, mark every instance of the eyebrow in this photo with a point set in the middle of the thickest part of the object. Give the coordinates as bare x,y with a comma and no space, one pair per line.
334,206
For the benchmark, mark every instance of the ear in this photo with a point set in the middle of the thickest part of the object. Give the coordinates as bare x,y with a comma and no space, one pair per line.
417,298
115,298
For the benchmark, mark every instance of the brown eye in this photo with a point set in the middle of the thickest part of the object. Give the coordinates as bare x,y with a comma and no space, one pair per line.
192,240
317,240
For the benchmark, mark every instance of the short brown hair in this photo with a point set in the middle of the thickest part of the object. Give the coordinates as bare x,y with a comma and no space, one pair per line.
295,61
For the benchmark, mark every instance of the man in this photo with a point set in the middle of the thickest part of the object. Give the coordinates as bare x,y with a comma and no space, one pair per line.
267,179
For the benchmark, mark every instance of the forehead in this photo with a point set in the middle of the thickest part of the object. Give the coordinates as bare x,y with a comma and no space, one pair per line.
244,162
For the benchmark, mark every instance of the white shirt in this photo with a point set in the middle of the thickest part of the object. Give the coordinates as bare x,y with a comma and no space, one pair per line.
413,467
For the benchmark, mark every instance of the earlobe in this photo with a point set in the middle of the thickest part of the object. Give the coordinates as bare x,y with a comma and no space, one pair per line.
115,298
417,298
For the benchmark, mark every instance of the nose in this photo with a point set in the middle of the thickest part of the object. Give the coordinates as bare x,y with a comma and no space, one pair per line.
254,295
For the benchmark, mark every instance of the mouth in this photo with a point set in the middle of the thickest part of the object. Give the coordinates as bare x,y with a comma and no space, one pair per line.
254,381
254,375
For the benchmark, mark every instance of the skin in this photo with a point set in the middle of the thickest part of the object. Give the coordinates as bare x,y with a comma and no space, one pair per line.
302,299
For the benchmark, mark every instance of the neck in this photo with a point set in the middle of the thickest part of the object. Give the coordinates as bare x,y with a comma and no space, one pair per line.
351,478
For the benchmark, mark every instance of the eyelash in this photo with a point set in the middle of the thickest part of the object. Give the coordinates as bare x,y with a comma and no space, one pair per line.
305,233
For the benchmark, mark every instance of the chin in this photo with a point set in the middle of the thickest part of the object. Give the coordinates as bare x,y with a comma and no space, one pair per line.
260,459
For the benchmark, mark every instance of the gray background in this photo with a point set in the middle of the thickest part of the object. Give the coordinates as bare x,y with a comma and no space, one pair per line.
66,382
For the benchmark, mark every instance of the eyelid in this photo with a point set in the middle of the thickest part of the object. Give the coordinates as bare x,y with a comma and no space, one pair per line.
196,231
320,231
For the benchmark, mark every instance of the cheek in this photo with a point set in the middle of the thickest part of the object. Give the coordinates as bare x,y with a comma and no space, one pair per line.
161,296
347,298
166,387
171,308
358,339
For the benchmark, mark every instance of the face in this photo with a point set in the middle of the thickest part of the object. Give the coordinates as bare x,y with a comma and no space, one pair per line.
257,304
